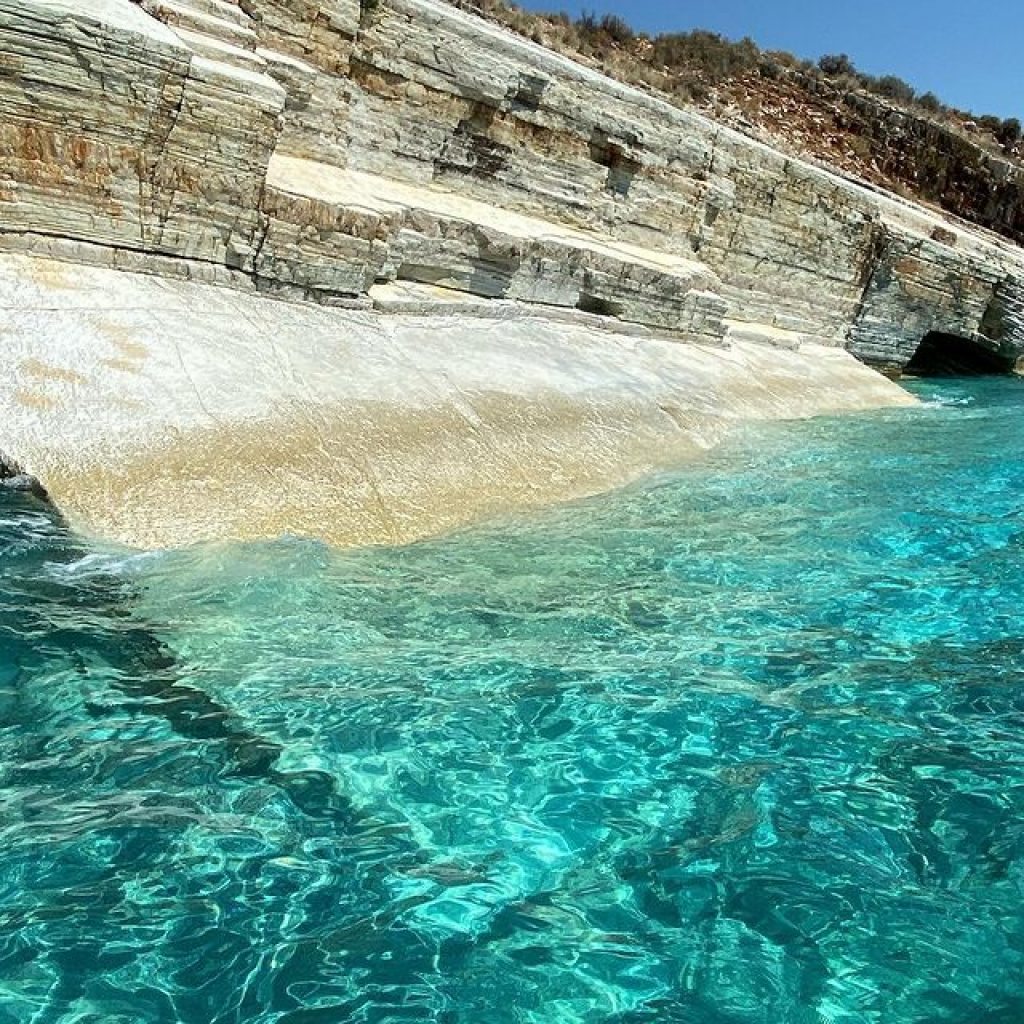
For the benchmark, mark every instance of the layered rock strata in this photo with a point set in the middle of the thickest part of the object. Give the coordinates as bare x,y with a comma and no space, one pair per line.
438,98
322,147
402,157
938,161
375,229
113,130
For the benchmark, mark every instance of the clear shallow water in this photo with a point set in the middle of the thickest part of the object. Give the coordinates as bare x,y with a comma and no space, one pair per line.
744,745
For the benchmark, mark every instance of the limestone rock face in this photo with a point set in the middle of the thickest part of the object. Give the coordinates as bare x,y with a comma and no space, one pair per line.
439,98
114,130
360,230
552,283
173,412
323,147
308,46
919,285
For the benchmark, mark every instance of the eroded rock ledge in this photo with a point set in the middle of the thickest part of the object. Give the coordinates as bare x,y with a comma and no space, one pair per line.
320,147
407,157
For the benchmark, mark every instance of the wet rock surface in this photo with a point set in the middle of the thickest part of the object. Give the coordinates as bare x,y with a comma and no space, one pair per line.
14,478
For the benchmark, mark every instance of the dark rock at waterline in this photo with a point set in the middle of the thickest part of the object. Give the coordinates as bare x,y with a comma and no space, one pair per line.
26,483
8,467
14,478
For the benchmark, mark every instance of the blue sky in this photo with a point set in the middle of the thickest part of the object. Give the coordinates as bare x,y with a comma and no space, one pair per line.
971,54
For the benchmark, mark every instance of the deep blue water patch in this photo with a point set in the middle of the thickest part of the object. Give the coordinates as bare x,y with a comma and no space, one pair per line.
742,745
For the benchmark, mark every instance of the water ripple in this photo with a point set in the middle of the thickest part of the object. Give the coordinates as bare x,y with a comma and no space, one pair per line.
744,745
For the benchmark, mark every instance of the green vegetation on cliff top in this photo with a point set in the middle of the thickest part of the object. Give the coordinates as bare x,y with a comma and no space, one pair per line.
876,128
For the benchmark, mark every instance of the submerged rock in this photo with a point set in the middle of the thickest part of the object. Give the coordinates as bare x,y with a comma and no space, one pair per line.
14,478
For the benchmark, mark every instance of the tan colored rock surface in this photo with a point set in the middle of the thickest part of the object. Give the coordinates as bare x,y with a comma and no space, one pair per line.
412,158
160,412
113,130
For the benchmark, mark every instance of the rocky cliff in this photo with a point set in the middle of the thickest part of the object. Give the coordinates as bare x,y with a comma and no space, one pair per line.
402,153
875,129
324,147
950,163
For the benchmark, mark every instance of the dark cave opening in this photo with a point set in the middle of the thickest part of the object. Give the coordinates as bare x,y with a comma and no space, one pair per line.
588,303
950,355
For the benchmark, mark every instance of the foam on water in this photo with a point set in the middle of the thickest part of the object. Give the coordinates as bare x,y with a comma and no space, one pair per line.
742,745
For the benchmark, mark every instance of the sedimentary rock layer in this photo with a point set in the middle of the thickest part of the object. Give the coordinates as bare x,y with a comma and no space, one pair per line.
113,130
552,282
437,97
207,129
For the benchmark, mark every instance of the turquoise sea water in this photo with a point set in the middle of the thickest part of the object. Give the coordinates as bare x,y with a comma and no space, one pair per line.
741,745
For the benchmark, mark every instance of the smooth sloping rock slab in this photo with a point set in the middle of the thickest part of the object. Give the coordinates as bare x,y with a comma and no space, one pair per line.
163,412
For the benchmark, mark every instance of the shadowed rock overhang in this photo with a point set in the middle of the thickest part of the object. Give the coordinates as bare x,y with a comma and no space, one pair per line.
948,355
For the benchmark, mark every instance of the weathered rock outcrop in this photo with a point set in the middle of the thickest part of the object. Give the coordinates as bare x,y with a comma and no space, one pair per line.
406,156
938,162
439,97
323,146
113,130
